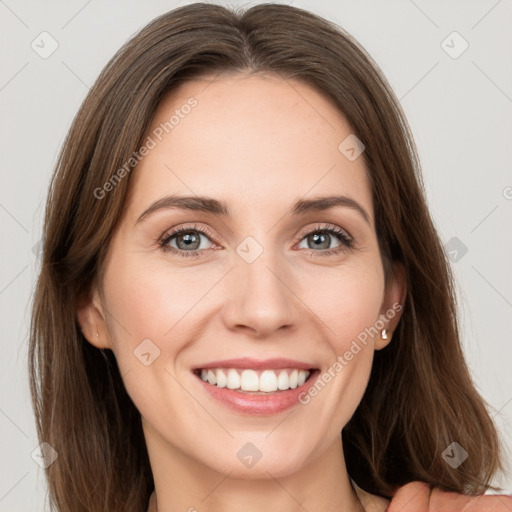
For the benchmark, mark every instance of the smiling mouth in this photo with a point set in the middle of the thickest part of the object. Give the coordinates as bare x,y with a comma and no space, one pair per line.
257,382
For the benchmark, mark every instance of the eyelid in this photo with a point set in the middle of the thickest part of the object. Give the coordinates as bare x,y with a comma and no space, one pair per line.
323,227
347,238
195,227
170,233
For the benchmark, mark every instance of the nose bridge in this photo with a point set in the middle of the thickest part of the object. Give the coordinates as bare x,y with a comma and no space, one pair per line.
259,296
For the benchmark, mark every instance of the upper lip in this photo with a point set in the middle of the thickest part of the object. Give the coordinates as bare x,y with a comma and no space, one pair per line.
256,364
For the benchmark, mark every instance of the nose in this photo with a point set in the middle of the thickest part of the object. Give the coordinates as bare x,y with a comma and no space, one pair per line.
260,298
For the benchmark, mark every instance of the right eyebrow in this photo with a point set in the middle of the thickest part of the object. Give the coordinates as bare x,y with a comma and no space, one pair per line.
197,203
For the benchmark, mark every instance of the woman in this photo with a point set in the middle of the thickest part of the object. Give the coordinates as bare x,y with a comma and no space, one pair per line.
239,265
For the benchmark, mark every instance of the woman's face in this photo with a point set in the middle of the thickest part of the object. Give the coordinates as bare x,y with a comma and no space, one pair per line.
261,273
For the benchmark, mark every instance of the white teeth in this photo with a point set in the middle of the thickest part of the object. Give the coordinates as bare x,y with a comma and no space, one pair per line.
293,379
221,379
212,378
233,381
283,382
268,381
249,380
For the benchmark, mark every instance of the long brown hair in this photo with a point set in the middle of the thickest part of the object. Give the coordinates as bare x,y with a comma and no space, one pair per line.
420,396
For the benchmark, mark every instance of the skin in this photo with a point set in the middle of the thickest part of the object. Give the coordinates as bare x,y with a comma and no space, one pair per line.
259,143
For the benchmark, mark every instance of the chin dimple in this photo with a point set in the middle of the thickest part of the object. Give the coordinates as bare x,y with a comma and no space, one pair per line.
255,381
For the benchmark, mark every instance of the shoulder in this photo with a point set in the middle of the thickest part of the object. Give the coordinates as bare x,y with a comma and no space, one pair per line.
420,497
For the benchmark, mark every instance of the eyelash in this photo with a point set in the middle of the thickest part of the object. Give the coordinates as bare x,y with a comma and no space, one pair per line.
347,242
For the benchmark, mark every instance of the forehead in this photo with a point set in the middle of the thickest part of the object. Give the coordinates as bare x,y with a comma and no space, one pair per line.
248,140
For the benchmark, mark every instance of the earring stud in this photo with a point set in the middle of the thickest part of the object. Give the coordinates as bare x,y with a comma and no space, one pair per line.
384,334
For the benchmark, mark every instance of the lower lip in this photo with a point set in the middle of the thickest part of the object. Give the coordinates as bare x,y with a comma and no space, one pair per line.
258,405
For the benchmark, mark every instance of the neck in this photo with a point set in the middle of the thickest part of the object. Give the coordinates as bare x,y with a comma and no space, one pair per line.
184,483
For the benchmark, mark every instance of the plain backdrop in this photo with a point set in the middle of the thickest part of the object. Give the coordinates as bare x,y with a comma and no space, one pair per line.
450,64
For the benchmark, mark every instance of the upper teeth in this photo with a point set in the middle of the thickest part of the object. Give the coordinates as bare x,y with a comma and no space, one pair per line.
251,380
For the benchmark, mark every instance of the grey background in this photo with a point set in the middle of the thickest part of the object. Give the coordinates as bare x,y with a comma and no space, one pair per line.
459,110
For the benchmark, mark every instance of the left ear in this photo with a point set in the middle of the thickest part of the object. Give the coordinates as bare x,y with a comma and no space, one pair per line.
392,305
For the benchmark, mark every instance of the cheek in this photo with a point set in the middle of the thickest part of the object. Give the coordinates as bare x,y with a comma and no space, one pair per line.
156,302
151,318
149,301
347,299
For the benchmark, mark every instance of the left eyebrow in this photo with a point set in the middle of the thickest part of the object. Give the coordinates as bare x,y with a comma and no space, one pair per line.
213,206
319,204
